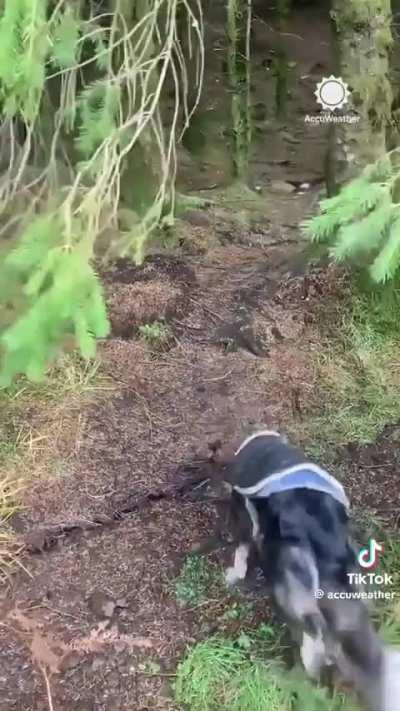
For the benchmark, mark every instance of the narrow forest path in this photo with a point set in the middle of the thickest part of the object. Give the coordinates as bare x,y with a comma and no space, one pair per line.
110,525
233,359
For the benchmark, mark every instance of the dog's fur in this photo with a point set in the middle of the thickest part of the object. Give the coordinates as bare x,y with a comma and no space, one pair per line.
303,543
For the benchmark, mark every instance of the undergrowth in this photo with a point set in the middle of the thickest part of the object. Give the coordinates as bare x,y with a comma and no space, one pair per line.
38,428
221,673
361,224
386,612
156,334
358,369
195,579
10,491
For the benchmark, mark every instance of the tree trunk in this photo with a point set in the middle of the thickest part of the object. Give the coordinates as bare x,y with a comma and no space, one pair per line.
238,23
363,40
281,67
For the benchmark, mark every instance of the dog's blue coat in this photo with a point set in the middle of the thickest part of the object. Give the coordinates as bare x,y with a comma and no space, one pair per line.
266,465
305,477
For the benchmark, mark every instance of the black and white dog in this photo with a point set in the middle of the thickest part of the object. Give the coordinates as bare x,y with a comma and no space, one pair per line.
294,516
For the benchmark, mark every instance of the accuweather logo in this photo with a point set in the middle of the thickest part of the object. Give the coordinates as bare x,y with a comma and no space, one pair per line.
332,93
368,556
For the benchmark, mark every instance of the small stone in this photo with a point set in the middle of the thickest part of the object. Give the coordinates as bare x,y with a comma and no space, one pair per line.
305,186
101,604
280,186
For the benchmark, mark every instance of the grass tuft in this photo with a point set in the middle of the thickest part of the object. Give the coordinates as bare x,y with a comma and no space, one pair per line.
10,547
195,579
221,673
358,373
156,334
39,427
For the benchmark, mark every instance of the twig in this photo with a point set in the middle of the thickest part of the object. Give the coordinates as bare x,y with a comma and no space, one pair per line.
220,377
46,679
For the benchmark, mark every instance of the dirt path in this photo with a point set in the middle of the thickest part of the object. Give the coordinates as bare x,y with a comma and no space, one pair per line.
94,624
109,529
227,366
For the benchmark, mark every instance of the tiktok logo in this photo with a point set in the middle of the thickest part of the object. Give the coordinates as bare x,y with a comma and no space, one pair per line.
368,556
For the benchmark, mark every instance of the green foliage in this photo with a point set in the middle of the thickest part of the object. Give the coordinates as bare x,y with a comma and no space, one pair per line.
24,47
217,674
98,107
237,611
363,221
386,613
358,370
221,673
155,333
67,29
63,71
194,580
56,292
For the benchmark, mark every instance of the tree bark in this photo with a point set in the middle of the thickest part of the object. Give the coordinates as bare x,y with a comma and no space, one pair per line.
363,41
238,25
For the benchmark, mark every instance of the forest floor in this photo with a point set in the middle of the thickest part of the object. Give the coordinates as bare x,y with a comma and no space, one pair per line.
111,594
115,461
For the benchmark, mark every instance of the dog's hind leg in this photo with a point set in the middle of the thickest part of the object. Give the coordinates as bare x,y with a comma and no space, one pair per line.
296,594
313,654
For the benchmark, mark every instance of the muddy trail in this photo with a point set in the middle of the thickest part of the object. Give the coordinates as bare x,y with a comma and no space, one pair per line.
92,619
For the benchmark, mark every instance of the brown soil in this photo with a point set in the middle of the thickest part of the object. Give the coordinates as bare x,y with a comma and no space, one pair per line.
116,525
115,516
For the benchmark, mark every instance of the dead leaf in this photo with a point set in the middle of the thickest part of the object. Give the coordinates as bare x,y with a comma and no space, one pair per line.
100,636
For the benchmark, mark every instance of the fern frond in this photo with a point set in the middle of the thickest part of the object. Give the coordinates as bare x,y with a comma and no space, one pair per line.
84,336
98,105
101,49
35,48
38,238
352,203
386,264
62,294
363,218
365,235
10,42
65,39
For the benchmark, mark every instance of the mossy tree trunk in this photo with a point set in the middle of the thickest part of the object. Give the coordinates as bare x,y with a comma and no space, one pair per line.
281,67
238,26
363,41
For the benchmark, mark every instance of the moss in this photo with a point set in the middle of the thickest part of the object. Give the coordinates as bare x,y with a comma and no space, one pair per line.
359,15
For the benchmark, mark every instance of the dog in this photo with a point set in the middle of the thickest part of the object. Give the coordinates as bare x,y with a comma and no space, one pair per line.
294,517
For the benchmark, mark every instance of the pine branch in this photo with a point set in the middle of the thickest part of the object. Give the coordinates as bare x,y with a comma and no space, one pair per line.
364,219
